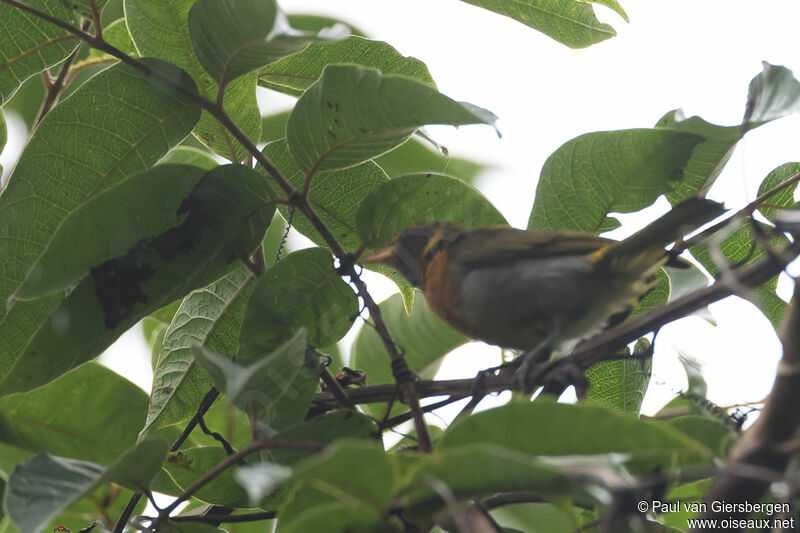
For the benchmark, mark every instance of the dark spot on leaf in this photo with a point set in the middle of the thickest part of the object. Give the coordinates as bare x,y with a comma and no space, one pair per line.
118,281
362,130
167,390
179,459
336,121
427,176
332,134
330,105
336,106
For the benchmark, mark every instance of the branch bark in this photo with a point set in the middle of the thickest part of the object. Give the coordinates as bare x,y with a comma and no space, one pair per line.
762,445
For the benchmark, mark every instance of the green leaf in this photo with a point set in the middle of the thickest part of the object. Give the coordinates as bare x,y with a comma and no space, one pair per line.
326,428
3,133
416,156
283,379
227,214
712,432
335,196
30,44
55,176
419,199
784,198
188,527
185,466
773,94
353,114
43,486
622,383
480,469
90,413
576,430
116,34
570,22
610,171
294,74
160,29
422,336
537,518
302,291
84,7
189,155
141,206
348,486
708,158
741,247
234,37
211,317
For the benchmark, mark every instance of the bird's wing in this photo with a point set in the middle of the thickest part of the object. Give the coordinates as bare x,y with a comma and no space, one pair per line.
486,246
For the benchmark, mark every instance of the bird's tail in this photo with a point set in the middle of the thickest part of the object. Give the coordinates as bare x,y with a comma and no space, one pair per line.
645,247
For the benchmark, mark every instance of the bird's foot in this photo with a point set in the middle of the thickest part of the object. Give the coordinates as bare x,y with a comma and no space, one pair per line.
563,374
523,379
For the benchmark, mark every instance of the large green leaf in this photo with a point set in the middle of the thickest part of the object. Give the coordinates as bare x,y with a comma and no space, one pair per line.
226,216
30,44
353,114
211,317
420,199
277,388
335,496
43,486
294,74
302,290
576,430
56,175
234,37
141,206
571,22
610,171
335,196
160,29
90,413
481,469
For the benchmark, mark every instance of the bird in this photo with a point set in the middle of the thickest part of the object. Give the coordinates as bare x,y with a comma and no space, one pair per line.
538,291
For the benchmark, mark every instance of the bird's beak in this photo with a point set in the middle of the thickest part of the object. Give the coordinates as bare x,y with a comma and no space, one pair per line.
381,257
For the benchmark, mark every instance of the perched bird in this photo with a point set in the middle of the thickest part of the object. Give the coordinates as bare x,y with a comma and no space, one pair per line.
535,290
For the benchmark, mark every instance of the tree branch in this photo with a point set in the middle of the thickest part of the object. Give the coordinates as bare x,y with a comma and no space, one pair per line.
760,446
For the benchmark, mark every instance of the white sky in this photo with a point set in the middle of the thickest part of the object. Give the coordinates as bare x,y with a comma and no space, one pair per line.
699,56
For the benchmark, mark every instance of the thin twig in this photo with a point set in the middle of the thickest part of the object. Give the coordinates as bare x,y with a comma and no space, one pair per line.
236,458
217,519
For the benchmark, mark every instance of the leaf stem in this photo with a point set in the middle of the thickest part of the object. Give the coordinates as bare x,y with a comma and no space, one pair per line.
57,85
